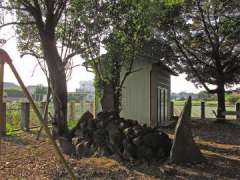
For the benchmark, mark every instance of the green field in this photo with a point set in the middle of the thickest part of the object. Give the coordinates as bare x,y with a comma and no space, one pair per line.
196,108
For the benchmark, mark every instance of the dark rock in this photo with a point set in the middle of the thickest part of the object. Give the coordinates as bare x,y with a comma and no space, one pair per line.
137,130
184,149
158,140
99,137
152,140
115,137
128,132
91,125
110,135
75,141
82,123
145,153
88,149
66,146
80,149
137,140
122,125
100,124
129,152
107,115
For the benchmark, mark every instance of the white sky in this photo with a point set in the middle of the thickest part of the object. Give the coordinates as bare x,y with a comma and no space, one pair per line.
26,65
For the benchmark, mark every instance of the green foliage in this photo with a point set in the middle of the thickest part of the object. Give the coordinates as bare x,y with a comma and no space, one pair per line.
204,95
173,2
71,123
232,98
10,129
122,28
204,37
14,118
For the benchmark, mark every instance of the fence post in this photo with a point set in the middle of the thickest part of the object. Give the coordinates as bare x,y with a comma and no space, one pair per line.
2,109
25,116
3,121
92,108
82,107
238,111
203,115
190,113
172,109
42,108
71,111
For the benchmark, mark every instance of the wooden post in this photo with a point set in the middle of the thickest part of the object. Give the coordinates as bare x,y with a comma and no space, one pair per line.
2,110
42,107
25,116
82,107
94,109
203,115
190,102
172,109
238,111
3,129
35,109
71,111
91,104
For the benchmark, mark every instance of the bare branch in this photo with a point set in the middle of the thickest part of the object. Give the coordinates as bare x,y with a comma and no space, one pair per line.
17,23
205,24
9,8
69,56
191,65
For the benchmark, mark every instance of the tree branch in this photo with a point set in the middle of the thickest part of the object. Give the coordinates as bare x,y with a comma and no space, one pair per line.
13,8
205,25
16,23
192,66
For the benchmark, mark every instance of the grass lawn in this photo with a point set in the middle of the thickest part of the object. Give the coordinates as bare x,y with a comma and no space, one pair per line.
196,108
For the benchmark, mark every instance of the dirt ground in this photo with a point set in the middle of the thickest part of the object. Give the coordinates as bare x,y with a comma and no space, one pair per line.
23,157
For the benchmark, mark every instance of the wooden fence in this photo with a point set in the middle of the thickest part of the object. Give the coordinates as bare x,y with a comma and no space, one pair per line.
75,110
203,110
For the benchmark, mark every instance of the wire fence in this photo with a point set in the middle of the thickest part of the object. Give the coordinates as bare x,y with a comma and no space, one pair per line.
196,110
15,113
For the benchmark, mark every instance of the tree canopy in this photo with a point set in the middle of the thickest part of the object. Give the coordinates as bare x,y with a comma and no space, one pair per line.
206,43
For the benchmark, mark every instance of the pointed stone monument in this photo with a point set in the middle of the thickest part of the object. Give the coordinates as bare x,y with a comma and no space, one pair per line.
184,149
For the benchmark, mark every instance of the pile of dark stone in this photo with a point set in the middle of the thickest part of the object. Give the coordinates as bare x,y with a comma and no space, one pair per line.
108,135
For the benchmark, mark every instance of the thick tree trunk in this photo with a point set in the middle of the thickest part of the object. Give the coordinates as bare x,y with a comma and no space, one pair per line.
107,99
58,83
221,103
111,99
59,91
117,101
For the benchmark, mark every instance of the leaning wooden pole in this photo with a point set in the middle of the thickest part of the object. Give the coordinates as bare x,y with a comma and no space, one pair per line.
2,121
2,133
35,109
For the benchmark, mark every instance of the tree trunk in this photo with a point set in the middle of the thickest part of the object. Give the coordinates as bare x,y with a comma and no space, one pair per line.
58,84
107,99
221,103
111,99
59,92
117,101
